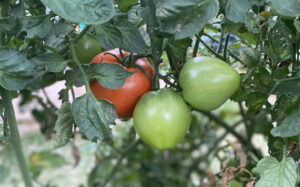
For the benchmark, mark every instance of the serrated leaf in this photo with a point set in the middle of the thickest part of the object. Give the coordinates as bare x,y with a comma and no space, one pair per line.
290,125
63,125
82,11
279,43
185,18
287,7
123,34
16,71
109,75
236,10
93,117
52,62
276,174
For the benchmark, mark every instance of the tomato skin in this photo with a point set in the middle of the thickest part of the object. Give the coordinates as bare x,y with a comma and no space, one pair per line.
161,118
87,48
208,82
126,97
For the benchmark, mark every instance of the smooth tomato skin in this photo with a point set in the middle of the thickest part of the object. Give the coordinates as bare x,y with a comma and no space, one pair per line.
161,118
87,48
126,97
208,82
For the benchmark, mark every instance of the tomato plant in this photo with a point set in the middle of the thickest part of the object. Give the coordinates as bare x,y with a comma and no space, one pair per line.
208,82
161,118
219,105
126,97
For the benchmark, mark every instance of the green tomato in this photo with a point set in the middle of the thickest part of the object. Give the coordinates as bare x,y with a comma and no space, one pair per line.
208,82
87,48
161,118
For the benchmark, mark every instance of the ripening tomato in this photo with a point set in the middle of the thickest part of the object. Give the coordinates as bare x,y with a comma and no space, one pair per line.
161,118
208,82
126,97
87,48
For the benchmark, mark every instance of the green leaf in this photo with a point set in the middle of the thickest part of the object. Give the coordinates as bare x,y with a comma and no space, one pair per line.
124,5
249,56
287,7
289,86
236,10
82,11
279,43
109,75
93,117
123,34
46,159
276,174
297,25
63,125
185,18
53,62
16,71
290,125
255,100
178,49
40,28
4,173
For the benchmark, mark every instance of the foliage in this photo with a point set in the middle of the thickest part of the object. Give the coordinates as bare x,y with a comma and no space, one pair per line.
260,39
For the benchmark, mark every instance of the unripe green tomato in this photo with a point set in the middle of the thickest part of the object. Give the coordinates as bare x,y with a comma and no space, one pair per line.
161,118
87,48
208,82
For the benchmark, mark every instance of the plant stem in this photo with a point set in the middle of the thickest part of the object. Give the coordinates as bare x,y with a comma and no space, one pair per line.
209,48
15,137
229,51
225,47
115,168
196,46
245,120
75,40
220,43
85,77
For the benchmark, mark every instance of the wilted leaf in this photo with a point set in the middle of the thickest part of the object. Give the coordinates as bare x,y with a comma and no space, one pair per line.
63,125
93,117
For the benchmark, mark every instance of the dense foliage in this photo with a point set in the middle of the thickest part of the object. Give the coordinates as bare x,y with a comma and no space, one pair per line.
41,45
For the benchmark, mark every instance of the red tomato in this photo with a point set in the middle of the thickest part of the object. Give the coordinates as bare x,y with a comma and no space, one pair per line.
126,97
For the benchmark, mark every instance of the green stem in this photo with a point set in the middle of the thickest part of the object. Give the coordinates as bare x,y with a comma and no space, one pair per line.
209,48
220,43
15,137
196,46
75,40
225,47
85,77
245,120
229,51
115,168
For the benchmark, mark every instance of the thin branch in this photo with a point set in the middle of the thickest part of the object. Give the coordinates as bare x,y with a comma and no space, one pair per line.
230,52
48,99
220,43
209,48
115,168
225,47
196,46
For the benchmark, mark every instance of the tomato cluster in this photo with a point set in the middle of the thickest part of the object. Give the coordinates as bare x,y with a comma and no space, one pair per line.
162,117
